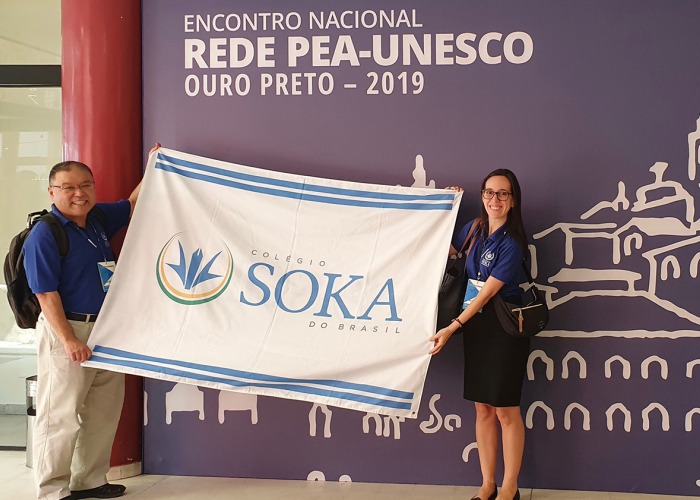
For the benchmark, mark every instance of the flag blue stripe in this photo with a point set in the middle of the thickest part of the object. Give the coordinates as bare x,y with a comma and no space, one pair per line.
303,186
235,383
296,195
383,391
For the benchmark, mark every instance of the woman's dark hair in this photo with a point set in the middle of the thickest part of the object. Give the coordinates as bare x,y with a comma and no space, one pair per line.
65,166
514,223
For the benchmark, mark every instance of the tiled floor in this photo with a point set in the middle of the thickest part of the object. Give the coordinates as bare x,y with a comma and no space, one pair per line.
16,484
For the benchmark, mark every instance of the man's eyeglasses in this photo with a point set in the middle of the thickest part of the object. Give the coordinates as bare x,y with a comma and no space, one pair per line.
71,189
487,194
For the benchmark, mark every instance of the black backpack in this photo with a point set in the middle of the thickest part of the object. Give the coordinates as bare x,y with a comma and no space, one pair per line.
23,302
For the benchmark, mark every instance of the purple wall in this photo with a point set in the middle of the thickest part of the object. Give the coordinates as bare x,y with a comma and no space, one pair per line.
610,89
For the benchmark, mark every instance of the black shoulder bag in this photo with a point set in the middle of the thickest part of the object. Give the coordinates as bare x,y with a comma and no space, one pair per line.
525,320
451,294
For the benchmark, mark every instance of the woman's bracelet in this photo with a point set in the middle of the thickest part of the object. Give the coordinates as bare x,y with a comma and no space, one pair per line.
458,321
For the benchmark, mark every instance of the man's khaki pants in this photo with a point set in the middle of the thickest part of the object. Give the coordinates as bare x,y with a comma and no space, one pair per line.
78,411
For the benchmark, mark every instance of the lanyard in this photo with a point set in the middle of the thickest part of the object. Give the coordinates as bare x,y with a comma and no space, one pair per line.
84,233
485,252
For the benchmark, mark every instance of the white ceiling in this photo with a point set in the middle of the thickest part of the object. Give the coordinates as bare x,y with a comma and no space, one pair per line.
30,31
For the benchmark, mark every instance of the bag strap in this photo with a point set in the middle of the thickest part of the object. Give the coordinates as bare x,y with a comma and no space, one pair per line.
527,272
476,223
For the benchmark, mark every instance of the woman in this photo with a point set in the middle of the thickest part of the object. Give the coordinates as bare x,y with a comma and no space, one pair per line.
495,362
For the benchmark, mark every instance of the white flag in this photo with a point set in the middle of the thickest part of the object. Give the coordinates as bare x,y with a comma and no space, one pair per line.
254,281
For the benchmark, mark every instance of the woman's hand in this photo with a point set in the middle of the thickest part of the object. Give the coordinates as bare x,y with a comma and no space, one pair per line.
455,188
440,339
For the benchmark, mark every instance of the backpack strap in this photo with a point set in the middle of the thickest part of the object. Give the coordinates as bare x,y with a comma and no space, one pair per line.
59,233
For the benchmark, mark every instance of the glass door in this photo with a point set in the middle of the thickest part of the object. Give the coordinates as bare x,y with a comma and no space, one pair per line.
30,143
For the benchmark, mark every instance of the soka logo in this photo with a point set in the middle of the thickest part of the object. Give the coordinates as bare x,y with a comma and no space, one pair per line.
198,280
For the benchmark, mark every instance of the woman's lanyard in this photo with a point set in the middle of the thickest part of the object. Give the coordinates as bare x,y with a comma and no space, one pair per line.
486,252
84,233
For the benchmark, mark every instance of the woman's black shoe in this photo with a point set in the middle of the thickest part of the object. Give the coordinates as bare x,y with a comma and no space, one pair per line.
517,495
492,496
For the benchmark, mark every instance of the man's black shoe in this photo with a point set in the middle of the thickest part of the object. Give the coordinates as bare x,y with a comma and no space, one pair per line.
107,490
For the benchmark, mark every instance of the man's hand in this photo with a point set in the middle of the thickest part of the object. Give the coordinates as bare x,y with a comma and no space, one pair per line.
76,350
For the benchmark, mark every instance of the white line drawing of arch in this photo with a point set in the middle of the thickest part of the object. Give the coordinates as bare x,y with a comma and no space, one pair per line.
689,367
396,420
635,238
665,424
383,428
655,359
670,260
695,265
183,397
238,401
584,411
689,419
610,413
316,475
328,414
619,202
435,422
467,450
531,411
581,365
626,367
377,423
539,354
145,408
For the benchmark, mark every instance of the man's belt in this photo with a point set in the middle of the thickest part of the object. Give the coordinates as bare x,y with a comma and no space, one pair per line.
83,318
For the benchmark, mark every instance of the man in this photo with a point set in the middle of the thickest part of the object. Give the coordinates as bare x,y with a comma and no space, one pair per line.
78,408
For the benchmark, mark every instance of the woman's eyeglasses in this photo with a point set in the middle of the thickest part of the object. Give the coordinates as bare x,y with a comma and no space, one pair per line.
487,194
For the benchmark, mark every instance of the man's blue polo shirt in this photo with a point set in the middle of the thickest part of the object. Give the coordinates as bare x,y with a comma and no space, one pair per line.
499,255
76,277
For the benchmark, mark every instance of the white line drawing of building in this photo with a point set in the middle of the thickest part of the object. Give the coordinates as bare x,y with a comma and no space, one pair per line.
610,413
689,419
549,363
238,401
641,256
581,365
467,450
436,421
663,364
689,367
529,416
328,414
183,397
626,367
665,424
584,411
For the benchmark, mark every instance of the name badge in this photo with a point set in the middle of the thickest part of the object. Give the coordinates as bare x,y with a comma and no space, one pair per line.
106,270
473,288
